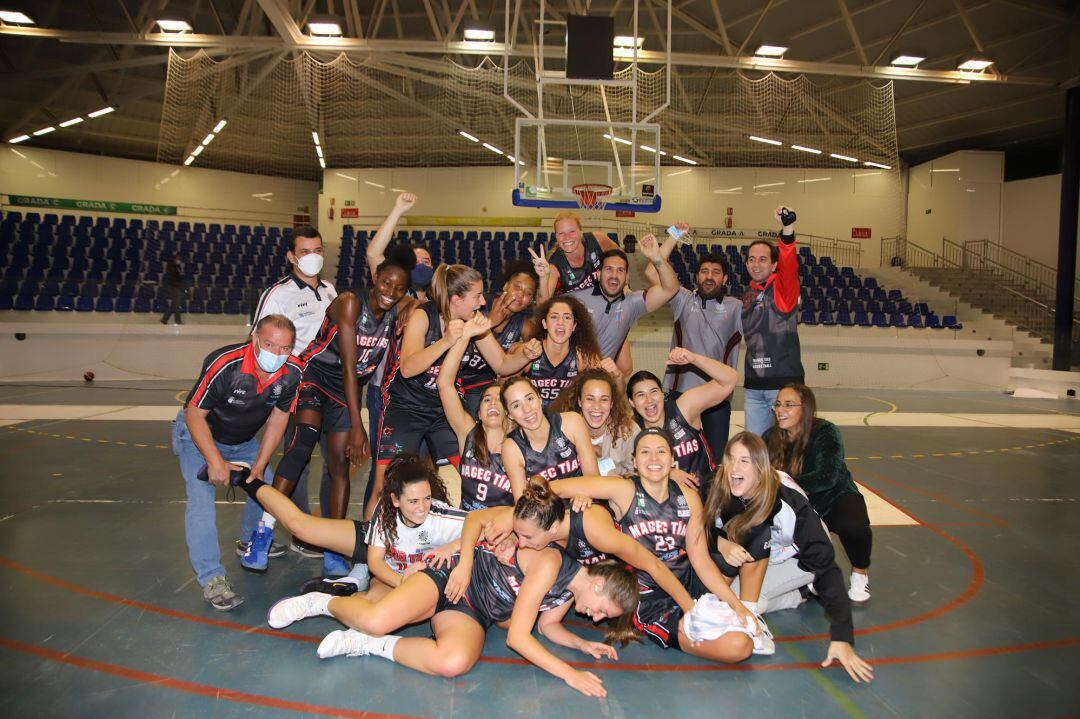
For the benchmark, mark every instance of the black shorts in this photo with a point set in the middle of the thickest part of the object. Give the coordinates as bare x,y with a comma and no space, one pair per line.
359,552
657,617
404,430
441,577
335,414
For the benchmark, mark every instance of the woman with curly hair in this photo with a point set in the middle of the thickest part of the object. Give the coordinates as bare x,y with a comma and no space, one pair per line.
568,346
596,396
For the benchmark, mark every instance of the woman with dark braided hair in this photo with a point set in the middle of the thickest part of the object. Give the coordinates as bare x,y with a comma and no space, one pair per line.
596,396
568,346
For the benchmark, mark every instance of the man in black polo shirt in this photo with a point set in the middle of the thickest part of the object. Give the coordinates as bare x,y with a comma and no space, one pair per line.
241,388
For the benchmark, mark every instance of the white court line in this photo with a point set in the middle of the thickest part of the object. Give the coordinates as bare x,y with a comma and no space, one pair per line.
161,413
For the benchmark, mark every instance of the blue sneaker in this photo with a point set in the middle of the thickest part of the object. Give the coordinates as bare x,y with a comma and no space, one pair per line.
334,565
257,556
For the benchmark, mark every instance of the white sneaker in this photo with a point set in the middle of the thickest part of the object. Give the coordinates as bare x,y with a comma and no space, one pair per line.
293,609
345,642
859,592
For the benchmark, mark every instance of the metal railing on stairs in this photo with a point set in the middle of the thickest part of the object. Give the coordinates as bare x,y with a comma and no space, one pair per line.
1038,277
1021,303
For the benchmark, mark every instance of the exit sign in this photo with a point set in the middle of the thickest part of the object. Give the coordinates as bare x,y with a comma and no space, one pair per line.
823,366
860,233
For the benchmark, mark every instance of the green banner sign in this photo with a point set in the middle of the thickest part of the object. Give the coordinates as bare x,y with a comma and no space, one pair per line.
57,203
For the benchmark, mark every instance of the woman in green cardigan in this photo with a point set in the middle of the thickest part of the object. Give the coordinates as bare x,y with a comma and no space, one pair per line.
811,450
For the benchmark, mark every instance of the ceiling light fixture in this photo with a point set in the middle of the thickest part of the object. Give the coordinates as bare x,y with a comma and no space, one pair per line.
479,34
845,158
494,149
628,41
102,111
44,131
907,61
975,64
220,126
877,165
617,139
174,25
189,160
72,121
687,160
774,52
20,138
467,136
324,27
802,148
14,17
766,140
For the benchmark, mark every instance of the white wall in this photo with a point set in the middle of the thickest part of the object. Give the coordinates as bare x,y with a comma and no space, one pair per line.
200,194
957,197
829,207
1031,216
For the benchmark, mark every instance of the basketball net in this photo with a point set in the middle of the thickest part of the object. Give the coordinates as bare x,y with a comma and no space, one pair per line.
592,199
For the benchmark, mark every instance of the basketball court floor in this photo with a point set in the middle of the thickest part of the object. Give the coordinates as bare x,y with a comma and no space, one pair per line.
974,579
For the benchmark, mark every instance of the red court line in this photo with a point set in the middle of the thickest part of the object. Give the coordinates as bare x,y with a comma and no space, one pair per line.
998,521
206,690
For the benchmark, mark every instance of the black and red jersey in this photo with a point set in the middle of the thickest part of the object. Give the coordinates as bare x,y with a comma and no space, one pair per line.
373,336
420,391
559,457
691,448
237,401
482,485
475,371
578,278
551,379
494,586
661,529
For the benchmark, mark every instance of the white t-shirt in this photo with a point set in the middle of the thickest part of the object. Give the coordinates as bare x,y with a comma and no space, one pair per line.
442,526
301,303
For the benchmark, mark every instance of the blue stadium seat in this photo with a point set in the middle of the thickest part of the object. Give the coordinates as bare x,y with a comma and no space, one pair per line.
196,307
826,319
948,322
808,317
232,308
880,320
915,320
123,304
897,320
141,305
45,303
933,322
7,302
843,318
24,302
65,303
84,304
862,319
213,307
103,304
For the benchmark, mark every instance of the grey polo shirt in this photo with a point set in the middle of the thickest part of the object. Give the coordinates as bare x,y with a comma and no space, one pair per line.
611,318
711,328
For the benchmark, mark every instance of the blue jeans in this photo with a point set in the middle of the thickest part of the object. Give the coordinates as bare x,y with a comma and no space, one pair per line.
758,406
200,516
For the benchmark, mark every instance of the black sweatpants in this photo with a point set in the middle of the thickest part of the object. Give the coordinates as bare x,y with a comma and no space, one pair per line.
847,518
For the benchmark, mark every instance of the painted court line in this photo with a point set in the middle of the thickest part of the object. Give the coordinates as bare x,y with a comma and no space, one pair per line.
24,412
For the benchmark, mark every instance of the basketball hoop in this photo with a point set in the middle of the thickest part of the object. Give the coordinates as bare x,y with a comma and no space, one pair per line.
591,195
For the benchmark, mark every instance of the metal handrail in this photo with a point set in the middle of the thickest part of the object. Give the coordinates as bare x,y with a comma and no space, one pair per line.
1027,312
1039,271
969,259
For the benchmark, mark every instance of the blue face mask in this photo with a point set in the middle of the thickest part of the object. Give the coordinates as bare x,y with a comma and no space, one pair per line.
270,362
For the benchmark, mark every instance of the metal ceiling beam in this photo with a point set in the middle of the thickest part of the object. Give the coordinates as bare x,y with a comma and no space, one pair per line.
852,32
978,133
282,21
750,35
900,31
720,27
994,107
104,66
358,45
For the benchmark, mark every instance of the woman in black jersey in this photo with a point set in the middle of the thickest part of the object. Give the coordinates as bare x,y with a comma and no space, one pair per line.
511,324
412,414
358,329
681,417
513,588
480,437
545,444
576,257
568,347
751,508
669,522
588,536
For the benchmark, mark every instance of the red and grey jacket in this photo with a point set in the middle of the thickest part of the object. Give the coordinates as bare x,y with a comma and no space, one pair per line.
769,314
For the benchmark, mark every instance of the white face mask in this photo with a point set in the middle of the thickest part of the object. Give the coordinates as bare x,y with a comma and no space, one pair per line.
310,265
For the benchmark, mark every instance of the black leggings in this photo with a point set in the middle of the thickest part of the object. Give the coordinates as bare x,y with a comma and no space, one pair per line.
847,517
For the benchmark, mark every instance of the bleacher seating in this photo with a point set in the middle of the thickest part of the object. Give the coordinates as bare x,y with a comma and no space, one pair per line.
113,264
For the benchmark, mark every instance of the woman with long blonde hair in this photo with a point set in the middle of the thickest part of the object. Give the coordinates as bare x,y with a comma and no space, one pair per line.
757,517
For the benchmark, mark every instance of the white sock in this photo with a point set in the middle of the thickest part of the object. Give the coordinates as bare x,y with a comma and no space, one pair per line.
384,646
321,602
267,520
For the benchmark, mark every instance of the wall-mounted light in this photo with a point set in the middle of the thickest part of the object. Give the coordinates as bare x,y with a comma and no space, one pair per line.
479,34
774,52
907,61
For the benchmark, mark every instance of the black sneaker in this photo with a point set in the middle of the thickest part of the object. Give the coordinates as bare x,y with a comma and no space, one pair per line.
276,549
337,586
304,549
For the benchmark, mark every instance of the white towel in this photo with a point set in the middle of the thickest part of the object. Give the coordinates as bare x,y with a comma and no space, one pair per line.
711,618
